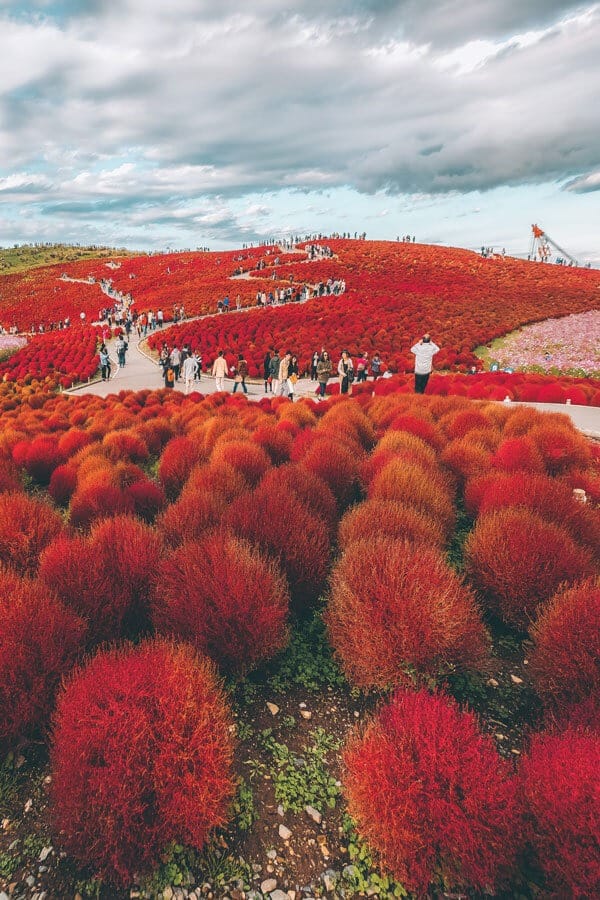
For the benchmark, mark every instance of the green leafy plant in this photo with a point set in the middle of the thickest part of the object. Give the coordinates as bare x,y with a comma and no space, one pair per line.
303,779
362,876
307,660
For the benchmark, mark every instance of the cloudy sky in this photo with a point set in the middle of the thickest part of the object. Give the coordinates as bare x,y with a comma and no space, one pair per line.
184,123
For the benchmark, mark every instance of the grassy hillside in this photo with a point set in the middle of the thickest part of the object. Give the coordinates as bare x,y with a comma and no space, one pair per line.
30,256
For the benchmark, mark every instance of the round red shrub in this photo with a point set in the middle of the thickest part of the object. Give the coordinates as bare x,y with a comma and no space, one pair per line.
518,454
125,445
458,424
96,500
141,757
337,466
282,526
63,483
397,608
565,663
516,561
106,577
549,498
39,642
176,462
246,457
562,447
224,597
39,458
427,491
307,487
431,795
26,527
466,458
147,497
561,797
72,441
276,441
191,516
390,518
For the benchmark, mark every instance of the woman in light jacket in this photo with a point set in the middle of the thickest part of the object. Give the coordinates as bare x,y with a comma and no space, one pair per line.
346,373
323,373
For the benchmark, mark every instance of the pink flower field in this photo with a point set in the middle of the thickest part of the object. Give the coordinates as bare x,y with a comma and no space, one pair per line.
569,345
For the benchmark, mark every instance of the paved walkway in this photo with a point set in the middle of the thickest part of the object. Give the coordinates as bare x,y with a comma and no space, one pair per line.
142,372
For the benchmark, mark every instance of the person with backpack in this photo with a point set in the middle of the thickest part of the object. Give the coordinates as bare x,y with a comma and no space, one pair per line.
241,374
169,376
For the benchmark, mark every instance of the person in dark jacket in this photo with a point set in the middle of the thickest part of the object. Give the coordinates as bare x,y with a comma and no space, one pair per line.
267,371
241,374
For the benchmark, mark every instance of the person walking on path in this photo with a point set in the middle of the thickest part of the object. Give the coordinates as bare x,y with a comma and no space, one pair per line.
313,367
376,366
220,371
190,370
424,351
323,373
267,371
121,348
362,366
175,360
241,374
274,372
284,371
160,318
346,373
293,375
104,363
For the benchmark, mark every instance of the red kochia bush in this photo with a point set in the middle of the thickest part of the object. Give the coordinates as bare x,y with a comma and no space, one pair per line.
390,518
428,491
516,561
431,795
220,594
106,577
565,663
39,641
307,487
396,607
141,757
281,525
337,465
246,457
177,461
96,500
39,457
26,527
561,794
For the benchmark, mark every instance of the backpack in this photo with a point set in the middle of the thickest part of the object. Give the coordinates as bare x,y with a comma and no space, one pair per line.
170,375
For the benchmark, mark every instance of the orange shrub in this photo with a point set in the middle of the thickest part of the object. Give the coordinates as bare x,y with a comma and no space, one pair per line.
246,457
390,518
516,561
26,527
220,594
428,491
398,608
565,663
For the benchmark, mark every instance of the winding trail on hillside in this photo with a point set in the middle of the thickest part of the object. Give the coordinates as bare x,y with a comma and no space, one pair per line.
142,371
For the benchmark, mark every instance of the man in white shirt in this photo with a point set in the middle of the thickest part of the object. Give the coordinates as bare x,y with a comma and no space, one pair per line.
424,351
190,370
